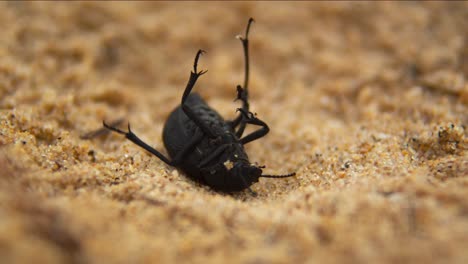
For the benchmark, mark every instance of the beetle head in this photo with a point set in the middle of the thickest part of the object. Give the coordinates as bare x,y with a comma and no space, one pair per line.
237,175
245,173
251,173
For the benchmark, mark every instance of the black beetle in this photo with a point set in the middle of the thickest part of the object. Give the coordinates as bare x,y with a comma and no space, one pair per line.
205,146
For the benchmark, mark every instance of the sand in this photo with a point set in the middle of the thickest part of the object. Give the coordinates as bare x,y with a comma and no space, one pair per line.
367,102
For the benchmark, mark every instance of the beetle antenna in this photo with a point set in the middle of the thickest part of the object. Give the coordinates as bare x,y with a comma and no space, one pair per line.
278,176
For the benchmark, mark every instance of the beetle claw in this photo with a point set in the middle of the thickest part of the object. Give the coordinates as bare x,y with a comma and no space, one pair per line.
195,71
241,94
112,128
248,115
129,130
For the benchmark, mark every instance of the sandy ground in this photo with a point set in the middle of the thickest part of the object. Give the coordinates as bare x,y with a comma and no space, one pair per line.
368,102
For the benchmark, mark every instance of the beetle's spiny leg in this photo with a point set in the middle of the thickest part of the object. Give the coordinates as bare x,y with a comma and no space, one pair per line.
101,131
136,140
195,64
250,118
193,76
251,20
114,128
247,115
241,94
188,89
245,91
246,39
245,45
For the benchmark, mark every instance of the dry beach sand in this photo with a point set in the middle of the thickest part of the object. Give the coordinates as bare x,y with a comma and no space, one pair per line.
368,102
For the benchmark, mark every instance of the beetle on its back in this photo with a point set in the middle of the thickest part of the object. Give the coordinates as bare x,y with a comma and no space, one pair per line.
206,147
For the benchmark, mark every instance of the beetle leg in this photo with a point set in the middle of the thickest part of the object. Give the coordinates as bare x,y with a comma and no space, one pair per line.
133,138
101,131
243,94
191,83
245,45
251,119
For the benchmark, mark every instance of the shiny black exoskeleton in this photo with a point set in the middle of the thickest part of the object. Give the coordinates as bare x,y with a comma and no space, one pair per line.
206,147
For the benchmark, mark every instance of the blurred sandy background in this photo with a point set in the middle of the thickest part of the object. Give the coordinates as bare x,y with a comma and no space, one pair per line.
368,102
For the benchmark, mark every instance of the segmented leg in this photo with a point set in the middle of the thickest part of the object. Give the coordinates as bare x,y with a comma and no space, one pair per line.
101,131
187,110
177,159
249,118
243,92
243,96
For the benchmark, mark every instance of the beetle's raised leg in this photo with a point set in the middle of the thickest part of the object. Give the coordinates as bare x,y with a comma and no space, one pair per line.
250,118
191,83
243,92
101,131
243,96
177,159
